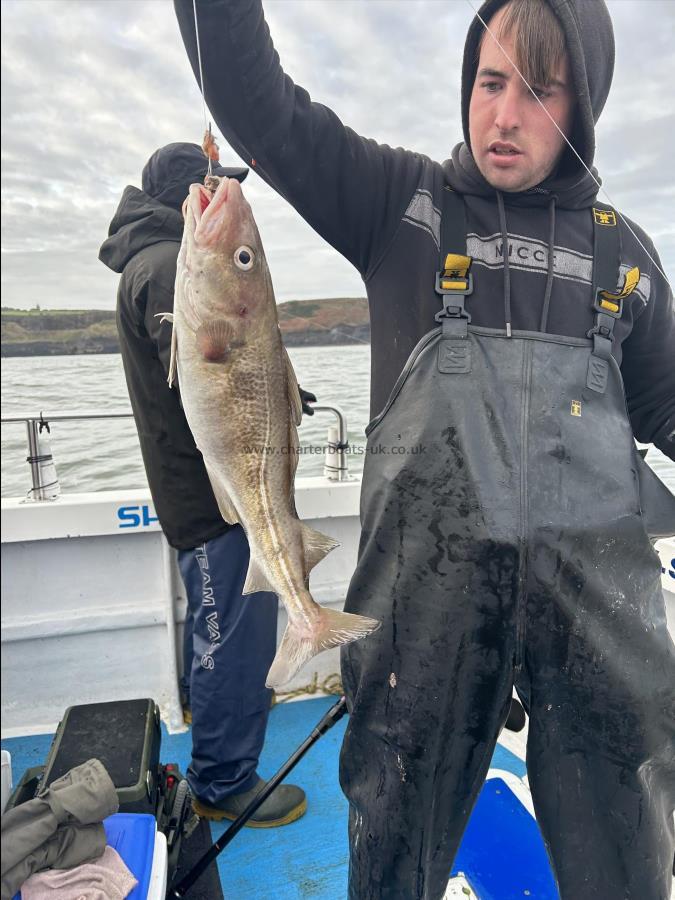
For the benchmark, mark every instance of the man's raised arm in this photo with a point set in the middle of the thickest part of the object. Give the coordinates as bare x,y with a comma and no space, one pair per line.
352,191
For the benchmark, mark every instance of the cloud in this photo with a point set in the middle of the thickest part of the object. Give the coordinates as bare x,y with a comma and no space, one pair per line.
91,87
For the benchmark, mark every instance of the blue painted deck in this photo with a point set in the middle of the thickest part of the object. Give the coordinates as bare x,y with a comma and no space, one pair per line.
307,860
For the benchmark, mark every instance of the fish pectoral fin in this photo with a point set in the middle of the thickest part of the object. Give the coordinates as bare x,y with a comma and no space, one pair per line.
317,546
256,580
216,339
227,508
294,400
334,627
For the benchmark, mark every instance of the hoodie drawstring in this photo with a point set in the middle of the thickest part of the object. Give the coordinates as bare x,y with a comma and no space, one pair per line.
549,274
507,271
505,256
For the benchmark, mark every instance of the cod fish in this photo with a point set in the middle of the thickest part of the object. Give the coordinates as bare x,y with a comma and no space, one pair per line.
242,402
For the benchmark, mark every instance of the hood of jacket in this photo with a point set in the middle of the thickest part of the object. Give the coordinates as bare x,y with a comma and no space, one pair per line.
139,222
589,38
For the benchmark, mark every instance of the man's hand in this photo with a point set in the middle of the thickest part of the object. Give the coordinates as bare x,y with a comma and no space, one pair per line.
306,398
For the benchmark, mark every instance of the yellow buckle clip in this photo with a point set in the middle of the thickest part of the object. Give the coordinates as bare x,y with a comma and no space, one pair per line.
455,277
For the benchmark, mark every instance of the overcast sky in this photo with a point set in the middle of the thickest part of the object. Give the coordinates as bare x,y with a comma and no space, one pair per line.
91,87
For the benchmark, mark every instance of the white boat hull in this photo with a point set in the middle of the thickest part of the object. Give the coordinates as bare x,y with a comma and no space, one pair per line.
93,605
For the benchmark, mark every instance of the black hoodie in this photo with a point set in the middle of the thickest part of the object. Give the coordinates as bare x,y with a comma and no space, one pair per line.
143,243
379,207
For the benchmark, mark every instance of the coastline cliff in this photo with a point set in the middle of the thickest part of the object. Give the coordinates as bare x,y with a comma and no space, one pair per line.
54,332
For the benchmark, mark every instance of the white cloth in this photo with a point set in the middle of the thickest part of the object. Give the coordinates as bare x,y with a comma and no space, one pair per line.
107,878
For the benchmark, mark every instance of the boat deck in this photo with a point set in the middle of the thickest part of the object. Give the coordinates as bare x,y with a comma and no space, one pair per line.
308,859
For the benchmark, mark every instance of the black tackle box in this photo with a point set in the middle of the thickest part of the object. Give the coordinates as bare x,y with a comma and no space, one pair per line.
125,736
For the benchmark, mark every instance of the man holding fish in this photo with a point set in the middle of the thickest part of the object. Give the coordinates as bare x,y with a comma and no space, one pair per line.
523,333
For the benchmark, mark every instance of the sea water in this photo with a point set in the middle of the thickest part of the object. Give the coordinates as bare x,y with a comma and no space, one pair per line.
104,454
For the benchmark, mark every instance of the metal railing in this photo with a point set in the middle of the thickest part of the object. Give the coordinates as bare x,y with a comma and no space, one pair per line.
335,463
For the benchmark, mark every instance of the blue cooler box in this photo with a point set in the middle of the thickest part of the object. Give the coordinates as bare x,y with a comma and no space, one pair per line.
133,836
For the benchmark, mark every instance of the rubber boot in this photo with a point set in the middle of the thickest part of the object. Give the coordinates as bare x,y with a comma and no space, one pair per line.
286,804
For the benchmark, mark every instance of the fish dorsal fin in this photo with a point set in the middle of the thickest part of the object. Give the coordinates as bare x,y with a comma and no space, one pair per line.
173,361
168,317
317,546
227,508
256,580
293,390
295,403
294,456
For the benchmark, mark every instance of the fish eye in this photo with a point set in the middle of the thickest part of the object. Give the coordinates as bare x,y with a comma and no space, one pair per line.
244,258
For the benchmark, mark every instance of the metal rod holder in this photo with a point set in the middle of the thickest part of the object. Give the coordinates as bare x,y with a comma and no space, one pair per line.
33,450
337,469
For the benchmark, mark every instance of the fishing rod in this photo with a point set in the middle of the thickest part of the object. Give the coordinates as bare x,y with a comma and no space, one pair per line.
334,714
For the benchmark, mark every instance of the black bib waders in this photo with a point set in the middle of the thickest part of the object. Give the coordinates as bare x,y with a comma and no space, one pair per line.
504,542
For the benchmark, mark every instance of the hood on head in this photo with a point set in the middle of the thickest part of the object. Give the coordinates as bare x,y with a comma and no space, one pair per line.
139,222
171,170
589,38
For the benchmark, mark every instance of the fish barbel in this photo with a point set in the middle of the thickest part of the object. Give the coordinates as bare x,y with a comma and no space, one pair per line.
242,402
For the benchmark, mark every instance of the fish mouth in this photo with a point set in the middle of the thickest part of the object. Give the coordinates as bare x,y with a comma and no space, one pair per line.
210,214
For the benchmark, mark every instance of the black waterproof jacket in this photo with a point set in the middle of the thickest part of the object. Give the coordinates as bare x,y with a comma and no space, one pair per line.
143,243
380,207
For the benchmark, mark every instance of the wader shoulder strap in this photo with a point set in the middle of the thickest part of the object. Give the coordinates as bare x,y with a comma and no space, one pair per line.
453,224
453,283
606,249
608,297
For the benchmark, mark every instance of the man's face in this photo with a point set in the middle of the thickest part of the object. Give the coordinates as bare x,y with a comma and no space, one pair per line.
513,141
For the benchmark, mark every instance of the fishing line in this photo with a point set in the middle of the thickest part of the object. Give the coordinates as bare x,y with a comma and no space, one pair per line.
568,142
207,127
207,124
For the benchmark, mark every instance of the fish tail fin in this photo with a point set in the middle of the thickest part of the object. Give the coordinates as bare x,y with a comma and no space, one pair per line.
317,545
332,628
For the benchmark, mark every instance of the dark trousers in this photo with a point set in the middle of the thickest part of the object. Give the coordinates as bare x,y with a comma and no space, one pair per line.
232,647
512,551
